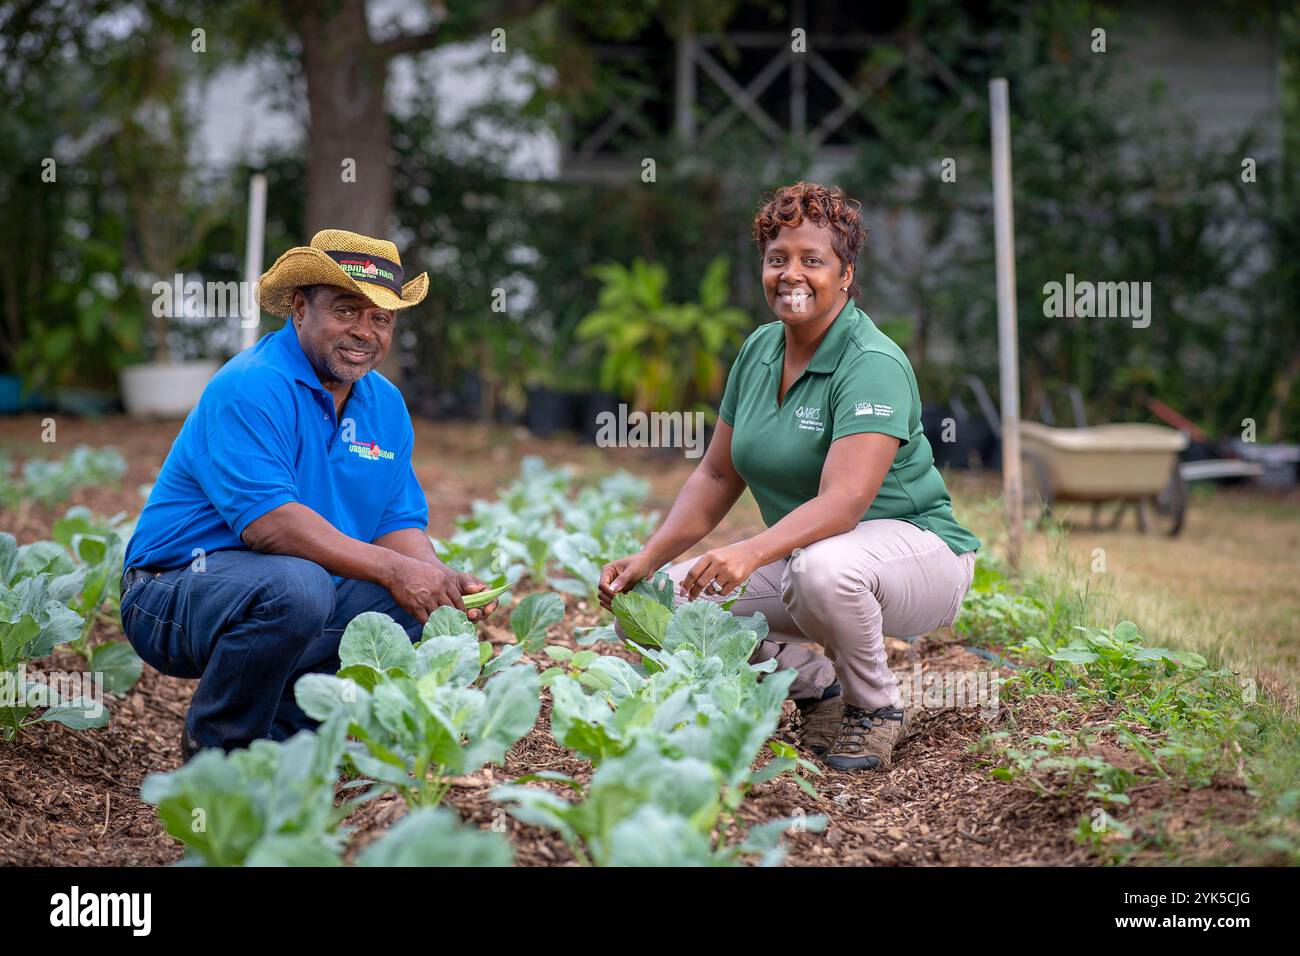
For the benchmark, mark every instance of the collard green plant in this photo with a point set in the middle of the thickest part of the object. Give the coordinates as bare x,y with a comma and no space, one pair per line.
269,805
418,713
98,549
538,528
674,740
34,620
51,480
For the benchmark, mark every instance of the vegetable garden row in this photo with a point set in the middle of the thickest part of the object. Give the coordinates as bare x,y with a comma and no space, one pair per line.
672,741
676,726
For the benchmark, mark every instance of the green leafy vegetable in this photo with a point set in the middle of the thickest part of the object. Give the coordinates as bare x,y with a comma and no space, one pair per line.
533,615
415,712
270,805
432,836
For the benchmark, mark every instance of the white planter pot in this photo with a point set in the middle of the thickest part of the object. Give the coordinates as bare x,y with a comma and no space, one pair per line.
164,390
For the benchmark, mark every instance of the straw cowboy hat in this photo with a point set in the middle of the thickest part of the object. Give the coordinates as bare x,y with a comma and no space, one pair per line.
369,267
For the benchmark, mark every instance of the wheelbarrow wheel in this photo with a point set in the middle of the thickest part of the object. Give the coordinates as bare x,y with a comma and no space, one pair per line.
1038,494
1169,507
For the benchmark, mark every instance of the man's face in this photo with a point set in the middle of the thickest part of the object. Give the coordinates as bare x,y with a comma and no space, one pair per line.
344,335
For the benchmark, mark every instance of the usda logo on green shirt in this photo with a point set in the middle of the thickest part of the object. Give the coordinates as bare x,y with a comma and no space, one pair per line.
873,408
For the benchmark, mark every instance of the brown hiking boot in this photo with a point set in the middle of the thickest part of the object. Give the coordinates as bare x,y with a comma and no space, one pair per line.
867,738
819,722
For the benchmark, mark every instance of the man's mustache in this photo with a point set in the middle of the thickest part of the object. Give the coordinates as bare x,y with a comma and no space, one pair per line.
357,348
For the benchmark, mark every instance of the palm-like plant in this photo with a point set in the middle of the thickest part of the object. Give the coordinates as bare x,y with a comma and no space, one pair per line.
663,356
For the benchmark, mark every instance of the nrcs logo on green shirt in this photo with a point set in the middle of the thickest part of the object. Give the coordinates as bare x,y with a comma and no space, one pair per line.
809,418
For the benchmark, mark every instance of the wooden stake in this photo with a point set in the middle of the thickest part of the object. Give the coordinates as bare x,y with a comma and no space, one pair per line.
1008,350
249,324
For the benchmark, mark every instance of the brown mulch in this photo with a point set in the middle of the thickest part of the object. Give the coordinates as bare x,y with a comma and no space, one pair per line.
71,797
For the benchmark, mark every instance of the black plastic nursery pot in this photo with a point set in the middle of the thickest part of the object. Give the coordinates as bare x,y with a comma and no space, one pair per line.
974,443
589,407
549,411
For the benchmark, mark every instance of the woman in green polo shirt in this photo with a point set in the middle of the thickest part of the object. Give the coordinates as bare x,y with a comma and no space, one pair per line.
821,420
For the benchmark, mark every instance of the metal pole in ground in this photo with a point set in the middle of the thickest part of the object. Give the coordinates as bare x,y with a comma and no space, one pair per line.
1008,350
252,317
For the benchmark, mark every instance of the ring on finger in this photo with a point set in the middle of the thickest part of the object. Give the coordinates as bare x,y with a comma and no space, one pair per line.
714,587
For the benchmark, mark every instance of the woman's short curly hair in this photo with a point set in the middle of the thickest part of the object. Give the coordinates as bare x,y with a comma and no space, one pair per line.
791,205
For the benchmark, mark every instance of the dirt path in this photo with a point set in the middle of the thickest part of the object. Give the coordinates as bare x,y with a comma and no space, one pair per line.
71,798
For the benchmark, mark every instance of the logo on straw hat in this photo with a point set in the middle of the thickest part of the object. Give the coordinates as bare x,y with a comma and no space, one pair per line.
369,267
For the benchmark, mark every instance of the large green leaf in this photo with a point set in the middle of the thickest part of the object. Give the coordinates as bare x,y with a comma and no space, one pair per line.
321,696
79,714
711,632
533,615
223,806
658,586
8,558
449,658
652,837
644,619
15,638
432,836
513,700
206,805
59,625
118,662
377,641
583,722
445,621
43,557
294,849
510,654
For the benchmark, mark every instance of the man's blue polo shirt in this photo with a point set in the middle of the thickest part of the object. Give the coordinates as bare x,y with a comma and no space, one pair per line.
265,433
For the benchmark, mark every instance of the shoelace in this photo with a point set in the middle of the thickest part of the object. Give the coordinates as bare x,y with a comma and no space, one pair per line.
859,722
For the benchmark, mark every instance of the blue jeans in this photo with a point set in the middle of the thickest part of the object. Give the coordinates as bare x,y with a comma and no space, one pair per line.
247,627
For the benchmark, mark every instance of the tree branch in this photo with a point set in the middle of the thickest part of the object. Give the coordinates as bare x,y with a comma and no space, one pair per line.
416,42
408,43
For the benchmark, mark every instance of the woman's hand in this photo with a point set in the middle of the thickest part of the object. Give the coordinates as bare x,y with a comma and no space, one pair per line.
721,570
622,575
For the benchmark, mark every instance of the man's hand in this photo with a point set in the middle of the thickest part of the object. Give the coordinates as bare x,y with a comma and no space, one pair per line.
468,585
421,588
621,576
721,570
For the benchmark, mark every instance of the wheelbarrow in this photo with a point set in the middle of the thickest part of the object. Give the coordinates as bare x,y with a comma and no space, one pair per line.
1133,465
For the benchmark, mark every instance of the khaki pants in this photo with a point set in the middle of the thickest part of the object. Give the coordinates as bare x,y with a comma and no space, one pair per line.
845,593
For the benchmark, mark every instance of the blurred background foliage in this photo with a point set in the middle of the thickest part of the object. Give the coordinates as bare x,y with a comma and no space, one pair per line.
1110,184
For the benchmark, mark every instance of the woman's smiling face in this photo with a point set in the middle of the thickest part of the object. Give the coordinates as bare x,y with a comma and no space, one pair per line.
803,278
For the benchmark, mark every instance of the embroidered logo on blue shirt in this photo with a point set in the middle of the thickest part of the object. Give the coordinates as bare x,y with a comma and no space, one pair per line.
369,450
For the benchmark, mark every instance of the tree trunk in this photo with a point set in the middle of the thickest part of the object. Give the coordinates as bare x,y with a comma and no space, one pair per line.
345,95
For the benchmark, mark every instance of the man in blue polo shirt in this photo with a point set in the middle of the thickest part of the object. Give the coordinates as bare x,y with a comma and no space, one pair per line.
288,504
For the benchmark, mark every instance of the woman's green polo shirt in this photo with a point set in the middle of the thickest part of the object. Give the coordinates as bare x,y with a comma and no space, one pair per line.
858,381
